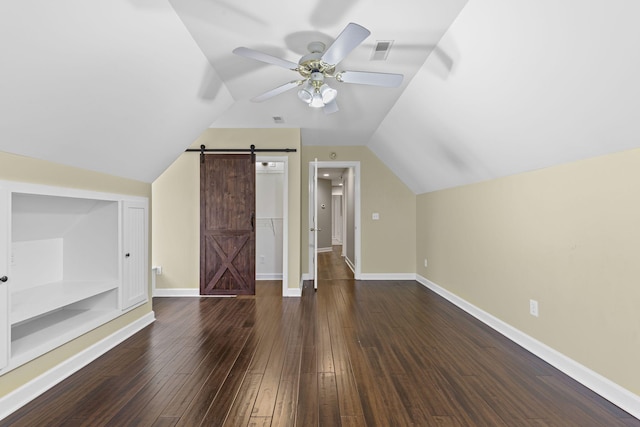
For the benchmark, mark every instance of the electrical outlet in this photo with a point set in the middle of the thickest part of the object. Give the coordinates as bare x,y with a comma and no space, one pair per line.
533,307
425,262
261,259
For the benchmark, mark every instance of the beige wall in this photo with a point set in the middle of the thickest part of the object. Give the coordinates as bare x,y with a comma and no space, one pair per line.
387,245
23,169
176,207
567,236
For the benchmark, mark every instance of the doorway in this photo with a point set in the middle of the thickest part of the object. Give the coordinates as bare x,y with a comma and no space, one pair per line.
350,227
224,273
272,221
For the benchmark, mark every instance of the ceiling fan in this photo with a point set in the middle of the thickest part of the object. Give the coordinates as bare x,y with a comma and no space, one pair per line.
318,66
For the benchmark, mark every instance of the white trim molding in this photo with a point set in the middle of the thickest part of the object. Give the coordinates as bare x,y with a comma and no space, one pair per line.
352,268
34,388
268,276
285,217
387,276
176,292
321,250
355,165
293,292
606,388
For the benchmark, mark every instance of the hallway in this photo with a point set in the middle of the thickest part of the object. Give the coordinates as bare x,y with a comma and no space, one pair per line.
332,266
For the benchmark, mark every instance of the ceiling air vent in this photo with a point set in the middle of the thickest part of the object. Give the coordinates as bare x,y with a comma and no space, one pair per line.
278,119
381,50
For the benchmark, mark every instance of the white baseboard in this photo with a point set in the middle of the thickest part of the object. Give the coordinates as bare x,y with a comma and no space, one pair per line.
370,276
351,266
176,292
34,388
387,276
335,241
606,388
189,292
324,250
293,292
268,276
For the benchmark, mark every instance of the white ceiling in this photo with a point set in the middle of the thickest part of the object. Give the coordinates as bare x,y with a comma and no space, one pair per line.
492,87
533,84
284,29
113,86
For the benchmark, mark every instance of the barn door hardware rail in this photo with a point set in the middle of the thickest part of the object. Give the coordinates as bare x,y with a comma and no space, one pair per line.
252,149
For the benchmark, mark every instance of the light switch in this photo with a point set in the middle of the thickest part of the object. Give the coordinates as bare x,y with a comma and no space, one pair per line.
375,216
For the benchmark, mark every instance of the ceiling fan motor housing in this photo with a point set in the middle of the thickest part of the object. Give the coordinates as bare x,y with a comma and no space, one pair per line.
312,62
316,47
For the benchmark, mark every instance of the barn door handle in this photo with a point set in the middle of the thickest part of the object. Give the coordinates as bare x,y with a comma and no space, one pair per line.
253,215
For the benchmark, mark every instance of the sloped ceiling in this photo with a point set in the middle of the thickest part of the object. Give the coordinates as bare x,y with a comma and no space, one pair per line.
116,86
532,84
492,87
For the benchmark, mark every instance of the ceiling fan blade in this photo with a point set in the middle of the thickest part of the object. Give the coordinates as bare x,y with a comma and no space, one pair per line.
265,57
331,107
369,78
347,40
276,91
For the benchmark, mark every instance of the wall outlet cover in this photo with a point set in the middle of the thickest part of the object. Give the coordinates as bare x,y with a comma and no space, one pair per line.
533,307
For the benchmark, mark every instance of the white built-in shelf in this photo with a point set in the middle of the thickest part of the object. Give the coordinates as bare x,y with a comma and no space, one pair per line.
36,301
31,339
64,252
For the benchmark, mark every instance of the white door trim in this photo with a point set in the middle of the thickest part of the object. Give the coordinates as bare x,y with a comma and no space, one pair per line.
285,217
356,169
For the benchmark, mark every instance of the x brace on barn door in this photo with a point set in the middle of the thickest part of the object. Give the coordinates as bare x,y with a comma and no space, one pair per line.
253,150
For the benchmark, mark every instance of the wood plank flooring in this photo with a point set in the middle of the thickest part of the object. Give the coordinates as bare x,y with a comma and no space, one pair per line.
351,354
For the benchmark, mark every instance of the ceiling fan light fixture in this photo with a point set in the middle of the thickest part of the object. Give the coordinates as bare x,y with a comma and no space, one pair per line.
328,93
306,92
316,102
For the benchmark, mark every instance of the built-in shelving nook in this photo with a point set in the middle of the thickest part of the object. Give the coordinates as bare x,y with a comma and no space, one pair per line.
65,267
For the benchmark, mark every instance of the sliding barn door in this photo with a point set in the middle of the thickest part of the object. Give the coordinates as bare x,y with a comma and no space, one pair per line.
227,225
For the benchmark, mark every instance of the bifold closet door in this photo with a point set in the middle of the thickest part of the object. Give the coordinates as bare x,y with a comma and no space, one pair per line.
134,271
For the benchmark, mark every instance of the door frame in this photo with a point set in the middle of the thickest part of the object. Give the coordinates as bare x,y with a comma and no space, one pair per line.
356,190
285,217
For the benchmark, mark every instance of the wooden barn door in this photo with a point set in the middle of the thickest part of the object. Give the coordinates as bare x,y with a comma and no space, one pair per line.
227,225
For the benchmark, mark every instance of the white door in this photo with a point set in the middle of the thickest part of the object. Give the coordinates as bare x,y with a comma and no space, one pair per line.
5,332
313,191
134,255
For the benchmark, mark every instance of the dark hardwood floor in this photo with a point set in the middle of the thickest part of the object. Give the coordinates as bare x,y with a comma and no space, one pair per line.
351,354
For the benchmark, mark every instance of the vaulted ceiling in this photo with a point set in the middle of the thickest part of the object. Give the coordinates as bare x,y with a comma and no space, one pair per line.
491,87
